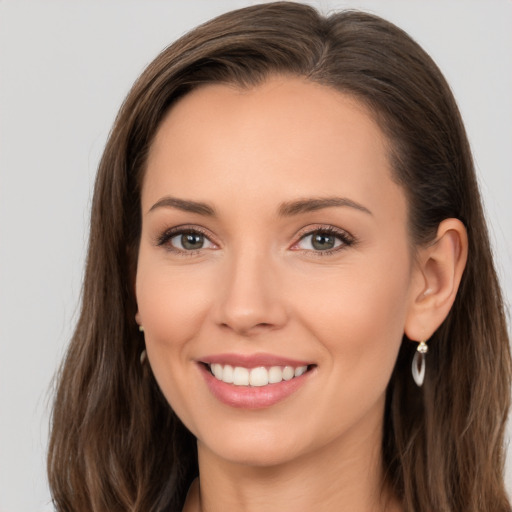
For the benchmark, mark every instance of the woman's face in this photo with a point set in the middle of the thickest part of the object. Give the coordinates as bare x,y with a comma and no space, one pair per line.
274,242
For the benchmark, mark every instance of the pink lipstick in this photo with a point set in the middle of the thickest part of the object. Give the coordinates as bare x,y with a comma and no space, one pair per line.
253,381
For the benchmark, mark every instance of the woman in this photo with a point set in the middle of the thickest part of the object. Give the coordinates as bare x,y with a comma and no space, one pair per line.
285,220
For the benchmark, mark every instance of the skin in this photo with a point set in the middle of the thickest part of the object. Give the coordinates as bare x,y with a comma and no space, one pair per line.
258,285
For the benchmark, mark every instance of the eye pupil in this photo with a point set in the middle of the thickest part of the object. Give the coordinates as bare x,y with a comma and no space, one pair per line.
323,241
192,241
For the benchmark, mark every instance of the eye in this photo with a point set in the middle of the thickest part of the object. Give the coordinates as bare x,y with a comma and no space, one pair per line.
185,240
190,241
324,240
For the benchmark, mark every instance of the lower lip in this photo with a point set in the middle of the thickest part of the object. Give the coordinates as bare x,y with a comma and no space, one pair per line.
252,397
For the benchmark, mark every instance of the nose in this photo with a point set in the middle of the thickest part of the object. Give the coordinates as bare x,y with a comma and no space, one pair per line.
251,298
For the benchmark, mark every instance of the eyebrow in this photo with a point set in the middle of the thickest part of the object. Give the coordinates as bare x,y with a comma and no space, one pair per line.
287,209
184,205
291,208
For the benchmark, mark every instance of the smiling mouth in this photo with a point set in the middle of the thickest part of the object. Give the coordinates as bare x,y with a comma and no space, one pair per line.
255,377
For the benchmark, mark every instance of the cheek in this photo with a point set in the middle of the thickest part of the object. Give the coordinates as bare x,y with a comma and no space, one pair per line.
171,302
358,316
358,313
172,305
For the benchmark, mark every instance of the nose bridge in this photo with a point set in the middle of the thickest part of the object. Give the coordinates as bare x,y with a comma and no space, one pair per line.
250,298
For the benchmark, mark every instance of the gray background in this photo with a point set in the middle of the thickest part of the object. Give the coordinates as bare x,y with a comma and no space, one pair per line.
64,70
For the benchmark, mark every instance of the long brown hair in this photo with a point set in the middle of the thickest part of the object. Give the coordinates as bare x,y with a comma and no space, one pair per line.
116,444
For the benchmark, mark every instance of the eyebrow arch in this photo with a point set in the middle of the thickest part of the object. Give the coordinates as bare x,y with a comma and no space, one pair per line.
312,204
184,205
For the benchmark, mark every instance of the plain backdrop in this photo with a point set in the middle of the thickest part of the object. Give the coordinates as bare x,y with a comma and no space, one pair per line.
65,67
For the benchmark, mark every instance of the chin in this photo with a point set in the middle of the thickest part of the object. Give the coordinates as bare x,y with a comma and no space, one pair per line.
258,455
259,447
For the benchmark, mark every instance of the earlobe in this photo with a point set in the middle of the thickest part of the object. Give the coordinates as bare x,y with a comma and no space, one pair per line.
440,268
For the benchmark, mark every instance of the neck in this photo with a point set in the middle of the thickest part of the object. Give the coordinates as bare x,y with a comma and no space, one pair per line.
345,475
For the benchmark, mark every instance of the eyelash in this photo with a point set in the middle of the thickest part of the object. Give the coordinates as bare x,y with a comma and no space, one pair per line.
346,239
166,236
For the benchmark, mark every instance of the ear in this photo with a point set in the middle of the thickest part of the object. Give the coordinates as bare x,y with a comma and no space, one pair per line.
438,273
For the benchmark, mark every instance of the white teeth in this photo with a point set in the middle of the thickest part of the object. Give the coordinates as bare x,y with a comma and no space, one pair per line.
275,375
227,374
260,376
217,371
240,376
298,371
288,373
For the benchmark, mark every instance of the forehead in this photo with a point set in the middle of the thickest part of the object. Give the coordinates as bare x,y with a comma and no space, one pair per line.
286,137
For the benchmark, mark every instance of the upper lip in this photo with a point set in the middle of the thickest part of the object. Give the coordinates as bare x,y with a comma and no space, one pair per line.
253,360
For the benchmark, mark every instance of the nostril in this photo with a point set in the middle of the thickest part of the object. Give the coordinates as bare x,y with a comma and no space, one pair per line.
247,329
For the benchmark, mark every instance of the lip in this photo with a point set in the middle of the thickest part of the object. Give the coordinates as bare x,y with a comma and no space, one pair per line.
253,360
248,397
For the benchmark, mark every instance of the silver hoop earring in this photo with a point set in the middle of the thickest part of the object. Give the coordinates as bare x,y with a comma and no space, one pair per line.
418,363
